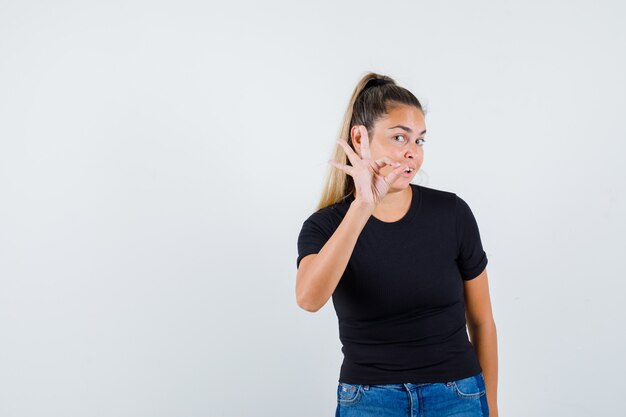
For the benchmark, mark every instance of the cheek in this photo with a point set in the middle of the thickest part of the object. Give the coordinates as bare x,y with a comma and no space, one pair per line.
419,156
386,170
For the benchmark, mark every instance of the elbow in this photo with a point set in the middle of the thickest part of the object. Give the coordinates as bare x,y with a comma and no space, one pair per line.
305,301
310,308
307,298
306,304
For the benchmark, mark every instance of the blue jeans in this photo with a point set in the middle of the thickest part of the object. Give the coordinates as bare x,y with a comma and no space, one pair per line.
461,398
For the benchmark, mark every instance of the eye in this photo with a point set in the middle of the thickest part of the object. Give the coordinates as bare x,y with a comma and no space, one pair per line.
419,141
400,136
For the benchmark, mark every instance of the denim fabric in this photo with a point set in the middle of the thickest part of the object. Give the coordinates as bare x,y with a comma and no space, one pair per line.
461,398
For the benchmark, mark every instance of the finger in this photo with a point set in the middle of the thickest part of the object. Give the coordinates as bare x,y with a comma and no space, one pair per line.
352,156
345,168
381,162
365,142
378,164
393,175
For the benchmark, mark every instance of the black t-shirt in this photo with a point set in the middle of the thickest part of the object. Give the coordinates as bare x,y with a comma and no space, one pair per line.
400,302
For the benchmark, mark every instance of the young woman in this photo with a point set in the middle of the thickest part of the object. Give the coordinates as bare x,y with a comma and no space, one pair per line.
405,267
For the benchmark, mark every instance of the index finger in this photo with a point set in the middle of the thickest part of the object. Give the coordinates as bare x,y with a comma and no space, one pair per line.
365,142
352,156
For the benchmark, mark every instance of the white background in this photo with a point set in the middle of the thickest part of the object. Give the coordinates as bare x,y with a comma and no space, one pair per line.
158,158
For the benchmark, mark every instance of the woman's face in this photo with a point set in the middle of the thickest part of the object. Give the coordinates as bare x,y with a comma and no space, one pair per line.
398,135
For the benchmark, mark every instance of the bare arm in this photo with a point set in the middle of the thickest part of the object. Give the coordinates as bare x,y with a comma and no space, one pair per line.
318,274
482,330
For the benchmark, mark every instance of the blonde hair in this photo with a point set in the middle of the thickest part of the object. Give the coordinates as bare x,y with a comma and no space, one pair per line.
371,99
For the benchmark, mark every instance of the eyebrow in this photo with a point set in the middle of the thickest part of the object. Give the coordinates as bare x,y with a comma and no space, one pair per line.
408,129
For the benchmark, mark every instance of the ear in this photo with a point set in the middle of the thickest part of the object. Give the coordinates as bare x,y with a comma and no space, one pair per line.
355,135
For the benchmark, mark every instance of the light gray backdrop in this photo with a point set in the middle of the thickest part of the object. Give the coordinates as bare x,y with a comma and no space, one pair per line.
158,158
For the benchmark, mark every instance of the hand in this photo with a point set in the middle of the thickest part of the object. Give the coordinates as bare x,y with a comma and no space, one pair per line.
371,186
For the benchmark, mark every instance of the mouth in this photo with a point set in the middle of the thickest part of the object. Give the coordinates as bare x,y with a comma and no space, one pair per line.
408,171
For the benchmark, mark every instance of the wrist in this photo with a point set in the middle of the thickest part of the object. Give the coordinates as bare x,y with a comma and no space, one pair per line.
363,206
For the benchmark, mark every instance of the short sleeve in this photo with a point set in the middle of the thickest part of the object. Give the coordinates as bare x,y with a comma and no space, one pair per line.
471,258
313,236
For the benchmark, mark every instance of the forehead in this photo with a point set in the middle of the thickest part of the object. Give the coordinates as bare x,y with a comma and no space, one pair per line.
409,116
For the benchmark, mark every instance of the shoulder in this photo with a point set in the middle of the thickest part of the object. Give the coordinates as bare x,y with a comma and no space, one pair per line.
433,192
328,217
436,199
435,195
443,204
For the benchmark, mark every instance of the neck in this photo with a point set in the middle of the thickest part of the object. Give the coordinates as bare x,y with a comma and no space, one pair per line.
396,199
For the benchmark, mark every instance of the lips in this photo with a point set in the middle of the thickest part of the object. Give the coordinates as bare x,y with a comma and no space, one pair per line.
408,174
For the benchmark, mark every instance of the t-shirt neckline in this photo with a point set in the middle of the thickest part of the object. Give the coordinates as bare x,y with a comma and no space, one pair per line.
408,216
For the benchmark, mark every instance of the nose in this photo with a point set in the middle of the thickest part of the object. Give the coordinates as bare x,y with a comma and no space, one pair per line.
412,150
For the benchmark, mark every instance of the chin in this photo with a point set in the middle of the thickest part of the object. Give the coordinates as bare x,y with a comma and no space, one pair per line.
400,184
